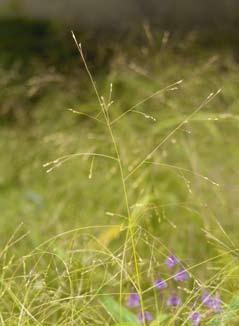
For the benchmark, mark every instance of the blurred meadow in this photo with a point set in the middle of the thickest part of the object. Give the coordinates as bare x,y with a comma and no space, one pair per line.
115,156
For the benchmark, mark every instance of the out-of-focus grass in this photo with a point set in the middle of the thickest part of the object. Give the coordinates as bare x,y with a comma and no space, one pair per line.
183,198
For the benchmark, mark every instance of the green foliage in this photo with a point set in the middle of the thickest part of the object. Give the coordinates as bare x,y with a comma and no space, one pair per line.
120,314
161,318
127,324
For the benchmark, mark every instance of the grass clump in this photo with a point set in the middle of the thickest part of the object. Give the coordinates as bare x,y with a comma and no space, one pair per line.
135,221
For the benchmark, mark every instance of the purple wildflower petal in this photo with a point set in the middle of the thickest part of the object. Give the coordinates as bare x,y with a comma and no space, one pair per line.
146,316
133,300
160,284
205,298
195,318
181,275
217,304
212,302
173,300
171,261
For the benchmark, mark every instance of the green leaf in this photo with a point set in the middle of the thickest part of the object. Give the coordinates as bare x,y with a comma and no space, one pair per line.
160,318
120,314
127,324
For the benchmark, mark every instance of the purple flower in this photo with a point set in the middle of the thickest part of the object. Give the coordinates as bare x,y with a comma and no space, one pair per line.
133,300
213,302
181,275
160,284
173,300
145,316
217,304
205,297
195,318
171,260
